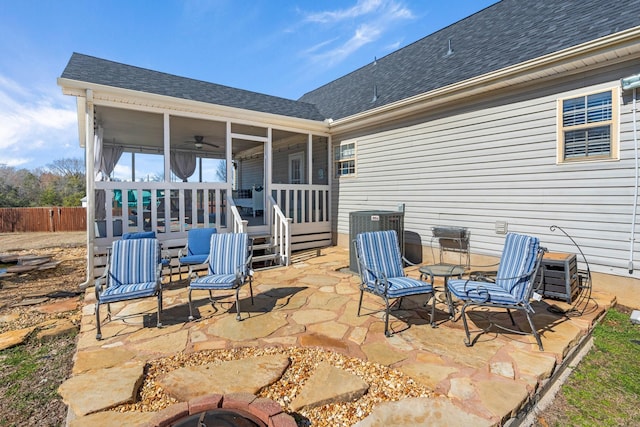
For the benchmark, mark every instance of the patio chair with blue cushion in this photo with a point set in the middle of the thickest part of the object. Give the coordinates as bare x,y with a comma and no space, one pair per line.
229,263
381,272
511,288
197,249
132,272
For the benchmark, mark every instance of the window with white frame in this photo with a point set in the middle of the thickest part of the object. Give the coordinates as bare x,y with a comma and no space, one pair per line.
587,127
344,159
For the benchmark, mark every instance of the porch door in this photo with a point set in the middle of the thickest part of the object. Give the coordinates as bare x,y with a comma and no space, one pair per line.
248,179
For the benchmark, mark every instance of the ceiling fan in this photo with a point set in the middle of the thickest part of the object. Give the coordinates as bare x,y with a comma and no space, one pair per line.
199,142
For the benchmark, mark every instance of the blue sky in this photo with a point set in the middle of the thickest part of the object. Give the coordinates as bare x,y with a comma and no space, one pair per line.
277,47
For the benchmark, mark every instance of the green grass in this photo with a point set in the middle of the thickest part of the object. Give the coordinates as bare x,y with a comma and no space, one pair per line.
29,377
604,390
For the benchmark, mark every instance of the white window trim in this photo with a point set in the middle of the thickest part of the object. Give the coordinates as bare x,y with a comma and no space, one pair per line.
615,125
335,162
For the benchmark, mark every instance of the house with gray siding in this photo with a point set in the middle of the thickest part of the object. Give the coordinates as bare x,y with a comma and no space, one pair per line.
512,119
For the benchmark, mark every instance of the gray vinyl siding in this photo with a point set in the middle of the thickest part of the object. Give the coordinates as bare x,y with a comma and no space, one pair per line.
498,163
252,173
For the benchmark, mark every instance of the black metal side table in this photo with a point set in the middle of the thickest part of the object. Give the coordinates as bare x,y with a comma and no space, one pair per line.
445,271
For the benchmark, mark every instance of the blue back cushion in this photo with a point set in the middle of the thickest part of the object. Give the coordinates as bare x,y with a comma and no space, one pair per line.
199,240
133,261
139,235
228,253
380,252
518,258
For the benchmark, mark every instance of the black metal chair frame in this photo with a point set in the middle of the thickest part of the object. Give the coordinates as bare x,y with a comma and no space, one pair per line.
522,305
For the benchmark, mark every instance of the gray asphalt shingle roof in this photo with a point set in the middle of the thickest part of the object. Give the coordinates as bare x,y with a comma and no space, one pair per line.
504,34
501,35
101,71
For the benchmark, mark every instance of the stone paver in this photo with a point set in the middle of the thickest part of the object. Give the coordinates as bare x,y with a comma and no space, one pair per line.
245,375
56,328
94,391
421,412
383,353
13,338
312,304
329,384
111,418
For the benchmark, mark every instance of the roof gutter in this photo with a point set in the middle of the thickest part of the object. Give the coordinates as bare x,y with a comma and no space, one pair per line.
491,81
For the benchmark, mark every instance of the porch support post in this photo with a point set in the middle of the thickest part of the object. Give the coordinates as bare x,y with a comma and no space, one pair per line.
309,160
166,149
90,178
229,160
329,207
268,175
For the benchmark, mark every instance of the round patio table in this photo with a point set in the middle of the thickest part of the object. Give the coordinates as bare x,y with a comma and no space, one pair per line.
445,271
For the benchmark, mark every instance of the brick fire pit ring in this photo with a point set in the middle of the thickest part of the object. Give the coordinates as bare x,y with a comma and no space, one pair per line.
234,409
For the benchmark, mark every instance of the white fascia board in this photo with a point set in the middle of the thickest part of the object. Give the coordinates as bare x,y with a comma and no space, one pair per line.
128,96
627,41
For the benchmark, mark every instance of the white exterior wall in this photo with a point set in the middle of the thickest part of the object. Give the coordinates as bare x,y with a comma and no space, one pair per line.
498,163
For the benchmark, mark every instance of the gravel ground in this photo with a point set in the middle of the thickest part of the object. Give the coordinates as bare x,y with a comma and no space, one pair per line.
385,384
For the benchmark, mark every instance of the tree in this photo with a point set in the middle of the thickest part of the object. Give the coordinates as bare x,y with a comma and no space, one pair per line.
69,167
68,182
18,187
61,183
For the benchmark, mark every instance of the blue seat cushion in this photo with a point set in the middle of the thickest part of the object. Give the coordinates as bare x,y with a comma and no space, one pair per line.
127,292
214,281
404,286
480,292
194,259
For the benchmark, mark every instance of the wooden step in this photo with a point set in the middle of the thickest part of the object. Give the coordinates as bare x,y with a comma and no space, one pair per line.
263,246
266,257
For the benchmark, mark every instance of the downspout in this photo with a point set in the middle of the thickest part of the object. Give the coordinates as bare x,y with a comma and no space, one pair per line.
635,196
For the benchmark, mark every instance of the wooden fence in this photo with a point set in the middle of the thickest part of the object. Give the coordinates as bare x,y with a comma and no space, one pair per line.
42,219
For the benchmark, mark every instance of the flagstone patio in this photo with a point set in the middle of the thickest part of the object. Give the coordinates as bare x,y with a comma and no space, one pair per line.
313,303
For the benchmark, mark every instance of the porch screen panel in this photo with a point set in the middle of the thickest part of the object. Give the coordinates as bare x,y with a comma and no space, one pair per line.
320,161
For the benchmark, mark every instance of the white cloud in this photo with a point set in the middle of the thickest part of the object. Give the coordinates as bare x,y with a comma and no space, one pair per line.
364,23
122,172
15,161
34,125
363,35
362,7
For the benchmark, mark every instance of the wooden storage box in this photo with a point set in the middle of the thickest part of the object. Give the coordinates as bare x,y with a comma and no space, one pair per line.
560,276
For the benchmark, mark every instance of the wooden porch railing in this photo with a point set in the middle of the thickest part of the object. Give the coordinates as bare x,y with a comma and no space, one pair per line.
168,208
239,225
281,231
303,203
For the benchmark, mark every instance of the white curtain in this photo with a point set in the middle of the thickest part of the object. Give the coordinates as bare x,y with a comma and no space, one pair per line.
100,211
97,151
110,156
104,161
183,164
